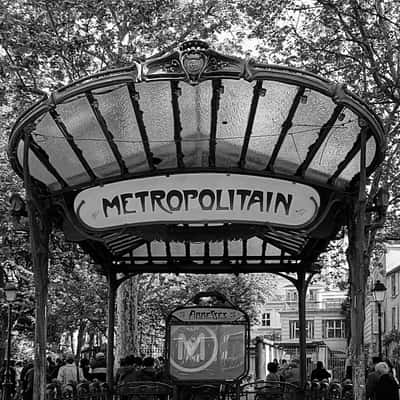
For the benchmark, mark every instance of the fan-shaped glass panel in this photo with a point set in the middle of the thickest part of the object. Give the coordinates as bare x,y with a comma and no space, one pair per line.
116,107
195,104
37,169
312,113
336,146
156,103
272,111
81,123
232,121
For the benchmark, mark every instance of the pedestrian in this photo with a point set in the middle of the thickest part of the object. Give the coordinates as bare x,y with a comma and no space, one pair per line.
387,388
128,372
292,373
320,373
70,373
99,367
148,372
291,376
372,379
50,369
272,383
27,377
84,364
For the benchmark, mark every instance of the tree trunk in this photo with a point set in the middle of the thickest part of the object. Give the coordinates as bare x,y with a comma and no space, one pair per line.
3,334
71,340
80,341
127,324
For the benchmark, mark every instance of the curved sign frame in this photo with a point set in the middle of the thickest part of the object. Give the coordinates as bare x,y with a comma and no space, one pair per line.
198,197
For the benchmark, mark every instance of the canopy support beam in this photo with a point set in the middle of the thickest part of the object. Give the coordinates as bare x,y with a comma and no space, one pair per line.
302,283
39,233
112,291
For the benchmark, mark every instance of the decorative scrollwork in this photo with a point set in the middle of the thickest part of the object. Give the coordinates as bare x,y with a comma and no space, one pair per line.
172,66
214,64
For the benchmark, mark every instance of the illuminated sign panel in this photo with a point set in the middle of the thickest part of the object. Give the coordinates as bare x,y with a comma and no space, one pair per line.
207,352
197,197
207,343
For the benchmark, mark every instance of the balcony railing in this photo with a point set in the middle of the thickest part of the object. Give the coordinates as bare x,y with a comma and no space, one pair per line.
312,305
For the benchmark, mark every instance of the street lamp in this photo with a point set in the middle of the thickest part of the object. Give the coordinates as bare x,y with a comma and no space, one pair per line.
11,293
378,293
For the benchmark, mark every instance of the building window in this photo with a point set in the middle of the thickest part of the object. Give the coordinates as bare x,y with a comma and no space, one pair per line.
291,295
394,325
313,295
334,328
295,329
266,319
393,284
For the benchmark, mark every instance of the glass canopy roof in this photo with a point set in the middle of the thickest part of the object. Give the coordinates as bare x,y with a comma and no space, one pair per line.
195,110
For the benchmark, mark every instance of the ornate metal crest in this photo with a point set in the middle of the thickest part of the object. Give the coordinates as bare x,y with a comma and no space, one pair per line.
193,62
194,59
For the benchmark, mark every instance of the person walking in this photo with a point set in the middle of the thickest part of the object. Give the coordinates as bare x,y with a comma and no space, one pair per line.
27,377
320,373
372,379
99,367
387,388
70,372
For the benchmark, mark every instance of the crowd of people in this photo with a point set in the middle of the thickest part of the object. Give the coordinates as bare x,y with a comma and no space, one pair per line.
67,371
381,381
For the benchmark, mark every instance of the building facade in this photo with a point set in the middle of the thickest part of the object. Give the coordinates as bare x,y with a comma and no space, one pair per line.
387,272
326,327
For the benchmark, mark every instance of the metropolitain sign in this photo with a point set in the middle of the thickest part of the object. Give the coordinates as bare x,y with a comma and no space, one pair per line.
198,198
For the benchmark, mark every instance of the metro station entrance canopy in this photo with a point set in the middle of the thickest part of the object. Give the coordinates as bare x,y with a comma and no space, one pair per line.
195,162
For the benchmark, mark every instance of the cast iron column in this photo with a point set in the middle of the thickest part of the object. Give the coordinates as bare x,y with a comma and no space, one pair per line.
302,291
6,394
112,288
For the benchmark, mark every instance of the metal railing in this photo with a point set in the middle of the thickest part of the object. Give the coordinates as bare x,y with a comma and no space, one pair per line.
148,390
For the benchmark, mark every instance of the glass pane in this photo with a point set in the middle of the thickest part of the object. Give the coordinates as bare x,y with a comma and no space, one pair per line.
195,105
82,124
177,249
60,152
117,110
196,249
141,251
216,249
337,144
254,248
354,166
235,248
272,251
155,102
310,116
272,111
37,169
158,249
232,121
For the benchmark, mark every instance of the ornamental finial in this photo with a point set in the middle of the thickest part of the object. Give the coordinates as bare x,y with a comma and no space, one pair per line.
193,59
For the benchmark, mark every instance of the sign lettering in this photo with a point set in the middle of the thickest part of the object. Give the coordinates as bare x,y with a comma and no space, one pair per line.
207,197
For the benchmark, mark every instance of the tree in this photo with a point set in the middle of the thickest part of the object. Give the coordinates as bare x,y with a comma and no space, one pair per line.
77,295
146,300
358,42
